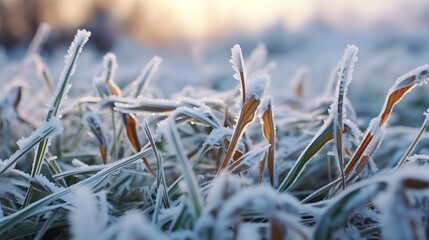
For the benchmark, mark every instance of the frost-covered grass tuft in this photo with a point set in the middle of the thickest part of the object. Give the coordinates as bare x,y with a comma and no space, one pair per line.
123,161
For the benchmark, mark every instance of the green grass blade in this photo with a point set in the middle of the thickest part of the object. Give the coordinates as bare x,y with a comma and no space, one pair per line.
75,49
319,140
193,189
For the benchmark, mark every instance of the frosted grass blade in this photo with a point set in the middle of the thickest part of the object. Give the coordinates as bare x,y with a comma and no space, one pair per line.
345,77
192,185
51,128
402,86
269,131
75,49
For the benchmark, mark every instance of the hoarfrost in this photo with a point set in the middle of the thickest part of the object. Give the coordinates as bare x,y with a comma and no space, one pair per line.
216,136
73,52
237,62
83,218
134,226
248,232
256,86
249,160
50,128
265,104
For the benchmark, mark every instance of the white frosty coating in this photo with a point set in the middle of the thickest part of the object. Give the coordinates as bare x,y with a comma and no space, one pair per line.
344,80
134,226
337,108
421,75
353,129
374,144
109,66
374,126
392,205
237,62
197,113
346,71
266,103
49,128
224,186
78,163
413,78
426,114
83,219
42,180
73,52
216,136
260,198
392,208
248,231
250,159
256,86
150,105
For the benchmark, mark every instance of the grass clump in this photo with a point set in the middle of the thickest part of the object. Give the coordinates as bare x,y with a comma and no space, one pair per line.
203,168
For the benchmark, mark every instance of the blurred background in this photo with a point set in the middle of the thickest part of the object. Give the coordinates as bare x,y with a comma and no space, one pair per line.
166,22
194,38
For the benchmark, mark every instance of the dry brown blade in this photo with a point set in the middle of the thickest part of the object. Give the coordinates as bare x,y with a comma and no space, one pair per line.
103,153
277,231
358,153
416,184
393,98
113,88
246,116
269,133
130,122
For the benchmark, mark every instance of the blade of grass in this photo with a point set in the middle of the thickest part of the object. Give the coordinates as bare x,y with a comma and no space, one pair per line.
238,66
75,49
193,189
246,116
414,142
319,140
160,175
336,215
130,122
345,77
25,145
269,131
93,123
402,86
